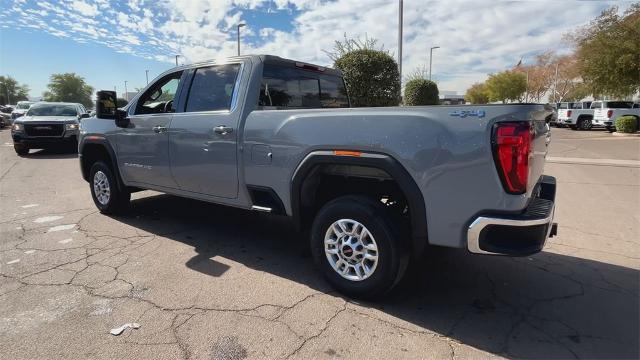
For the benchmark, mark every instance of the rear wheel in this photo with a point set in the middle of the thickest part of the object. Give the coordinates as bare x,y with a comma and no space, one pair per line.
109,199
357,246
21,149
584,124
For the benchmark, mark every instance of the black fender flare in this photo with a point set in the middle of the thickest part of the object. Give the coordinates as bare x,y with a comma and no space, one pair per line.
411,191
104,143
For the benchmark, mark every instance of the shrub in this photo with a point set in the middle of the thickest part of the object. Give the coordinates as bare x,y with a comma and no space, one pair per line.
371,76
627,124
421,92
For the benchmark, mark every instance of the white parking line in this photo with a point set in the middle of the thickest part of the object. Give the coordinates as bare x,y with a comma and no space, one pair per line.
29,251
65,241
47,219
13,261
61,227
29,206
589,161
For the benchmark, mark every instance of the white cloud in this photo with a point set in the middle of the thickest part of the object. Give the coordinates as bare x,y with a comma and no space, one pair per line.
85,8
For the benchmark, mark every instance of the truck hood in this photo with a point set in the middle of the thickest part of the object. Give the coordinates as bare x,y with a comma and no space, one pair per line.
49,119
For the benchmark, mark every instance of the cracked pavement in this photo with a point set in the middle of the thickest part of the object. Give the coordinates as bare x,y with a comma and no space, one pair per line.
209,282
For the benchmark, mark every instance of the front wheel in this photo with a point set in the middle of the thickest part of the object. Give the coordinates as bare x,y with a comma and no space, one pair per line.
20,149
109,199
357,246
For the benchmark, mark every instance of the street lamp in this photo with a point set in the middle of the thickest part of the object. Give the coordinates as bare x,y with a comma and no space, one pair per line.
431,58
400,40
126,94
146,74
177,59
238,33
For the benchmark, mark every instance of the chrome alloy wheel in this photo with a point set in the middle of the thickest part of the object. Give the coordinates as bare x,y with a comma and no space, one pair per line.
101,187
351,250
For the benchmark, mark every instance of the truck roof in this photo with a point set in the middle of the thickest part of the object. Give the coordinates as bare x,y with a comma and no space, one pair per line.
268,59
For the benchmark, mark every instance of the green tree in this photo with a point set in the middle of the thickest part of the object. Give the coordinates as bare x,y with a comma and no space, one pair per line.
608,52
68,87
10,88
578,92
120,102
477,94
421,92
371,76
506,85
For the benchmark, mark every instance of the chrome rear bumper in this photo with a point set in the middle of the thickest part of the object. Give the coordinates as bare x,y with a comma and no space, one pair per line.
518,234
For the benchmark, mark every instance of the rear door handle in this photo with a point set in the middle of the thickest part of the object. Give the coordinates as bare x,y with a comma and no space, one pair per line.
223,130
159,129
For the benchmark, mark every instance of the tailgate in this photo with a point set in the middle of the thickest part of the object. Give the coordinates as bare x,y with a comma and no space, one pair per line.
562,114
541,139
600,114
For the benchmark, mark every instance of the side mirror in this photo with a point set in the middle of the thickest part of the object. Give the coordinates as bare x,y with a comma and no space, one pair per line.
107,108
122,120
106,104
84,116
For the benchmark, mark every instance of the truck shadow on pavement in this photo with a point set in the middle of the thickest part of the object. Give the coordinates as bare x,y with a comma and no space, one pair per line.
544,306
53,153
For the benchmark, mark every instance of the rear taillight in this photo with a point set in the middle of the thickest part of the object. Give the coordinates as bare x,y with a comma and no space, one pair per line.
511,151
609,113
569,113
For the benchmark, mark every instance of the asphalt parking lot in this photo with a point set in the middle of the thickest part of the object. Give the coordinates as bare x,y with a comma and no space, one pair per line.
204,281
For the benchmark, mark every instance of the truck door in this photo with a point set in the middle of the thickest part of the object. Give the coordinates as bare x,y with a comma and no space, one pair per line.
203,135
143,153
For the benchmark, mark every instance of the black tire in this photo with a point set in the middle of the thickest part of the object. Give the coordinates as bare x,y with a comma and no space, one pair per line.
611,129
118,200
20,149
585,124
573,127
393,256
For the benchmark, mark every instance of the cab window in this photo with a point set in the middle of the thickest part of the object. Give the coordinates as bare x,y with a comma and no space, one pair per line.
160,97
290,88
212,88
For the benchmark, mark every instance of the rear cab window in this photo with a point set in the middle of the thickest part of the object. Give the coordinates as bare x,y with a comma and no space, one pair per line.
286,86
619,104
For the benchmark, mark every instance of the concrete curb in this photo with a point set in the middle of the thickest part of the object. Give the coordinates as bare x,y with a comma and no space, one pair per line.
636,134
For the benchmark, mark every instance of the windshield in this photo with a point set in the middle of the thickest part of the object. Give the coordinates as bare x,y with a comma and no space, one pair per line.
52,110
23,105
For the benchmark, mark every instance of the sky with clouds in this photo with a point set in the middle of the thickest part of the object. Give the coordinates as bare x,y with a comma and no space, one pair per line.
109,42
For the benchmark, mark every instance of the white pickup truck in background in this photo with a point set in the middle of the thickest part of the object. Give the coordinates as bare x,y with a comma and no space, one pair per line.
606,112
576,115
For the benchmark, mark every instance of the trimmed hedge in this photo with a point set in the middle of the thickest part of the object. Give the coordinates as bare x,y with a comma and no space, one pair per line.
627,124
421,92
371,76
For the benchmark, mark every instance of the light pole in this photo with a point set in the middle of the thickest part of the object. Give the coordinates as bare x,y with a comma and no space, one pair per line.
238,34
126,94
146,74
431,58
177,56
400,40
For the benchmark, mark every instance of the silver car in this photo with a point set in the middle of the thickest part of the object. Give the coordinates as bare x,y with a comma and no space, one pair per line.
46,124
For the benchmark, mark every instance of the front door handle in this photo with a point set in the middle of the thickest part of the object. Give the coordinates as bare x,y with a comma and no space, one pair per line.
159,129
223,130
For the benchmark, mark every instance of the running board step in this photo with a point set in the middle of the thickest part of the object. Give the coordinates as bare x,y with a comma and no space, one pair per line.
261,208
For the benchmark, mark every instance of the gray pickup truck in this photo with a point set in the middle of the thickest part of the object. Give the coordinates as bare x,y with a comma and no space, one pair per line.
368,188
